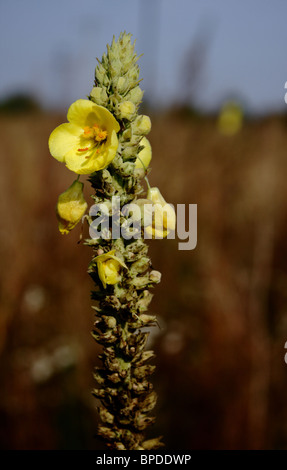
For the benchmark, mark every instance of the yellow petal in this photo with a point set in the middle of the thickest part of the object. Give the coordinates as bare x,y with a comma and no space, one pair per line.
64,139
169,217
111,147
101,273
68,142
64,227
144,156
110,254
106,119
83,164
90,161
156,232
79,113
164,218
149,230
155,196
71,207
86,113
111,268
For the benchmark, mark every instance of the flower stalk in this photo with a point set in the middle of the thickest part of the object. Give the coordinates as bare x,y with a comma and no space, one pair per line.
105,138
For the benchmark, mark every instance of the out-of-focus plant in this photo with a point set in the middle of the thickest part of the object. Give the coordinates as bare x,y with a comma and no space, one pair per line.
230,119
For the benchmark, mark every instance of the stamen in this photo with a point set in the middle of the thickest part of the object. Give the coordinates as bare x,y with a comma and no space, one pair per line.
101,135
96,136
95,151
87,131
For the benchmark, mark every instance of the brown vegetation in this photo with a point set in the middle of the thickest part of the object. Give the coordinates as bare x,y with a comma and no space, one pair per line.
221,376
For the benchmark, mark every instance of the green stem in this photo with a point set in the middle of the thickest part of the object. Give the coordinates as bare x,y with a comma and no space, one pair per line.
147,182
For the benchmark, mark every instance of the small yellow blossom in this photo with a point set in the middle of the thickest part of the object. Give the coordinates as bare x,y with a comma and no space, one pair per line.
71,207
88,142
163,215
109,268
144,156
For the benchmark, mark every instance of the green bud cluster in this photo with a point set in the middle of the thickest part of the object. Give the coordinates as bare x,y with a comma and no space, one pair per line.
117,88
124,390
117,75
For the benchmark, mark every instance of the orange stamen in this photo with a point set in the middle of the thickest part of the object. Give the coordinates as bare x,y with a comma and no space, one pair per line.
101,135
83,150
87,130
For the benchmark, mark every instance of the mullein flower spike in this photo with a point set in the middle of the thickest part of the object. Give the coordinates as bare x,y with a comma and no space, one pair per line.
105,138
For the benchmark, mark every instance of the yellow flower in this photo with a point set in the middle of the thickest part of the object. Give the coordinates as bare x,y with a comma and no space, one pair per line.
109,267
163,215
230,119
144,156
88,142
71,207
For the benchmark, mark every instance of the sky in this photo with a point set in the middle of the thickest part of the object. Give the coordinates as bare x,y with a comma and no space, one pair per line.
49,49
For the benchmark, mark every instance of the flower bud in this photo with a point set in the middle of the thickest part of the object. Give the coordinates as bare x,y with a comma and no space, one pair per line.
135,95
127,134
99,96
122,85
101,75
71,207
155,276
109,268
127,169
163,216
106,416
111,322
126,110
133,75
141,125
144,156
139,173
115,68
128,151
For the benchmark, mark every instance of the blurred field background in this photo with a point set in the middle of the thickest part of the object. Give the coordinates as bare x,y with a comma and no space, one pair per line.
221,378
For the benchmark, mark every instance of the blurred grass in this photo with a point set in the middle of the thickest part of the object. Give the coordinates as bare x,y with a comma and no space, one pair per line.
221,376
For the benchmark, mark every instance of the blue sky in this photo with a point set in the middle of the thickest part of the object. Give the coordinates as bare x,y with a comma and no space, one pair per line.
50,48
